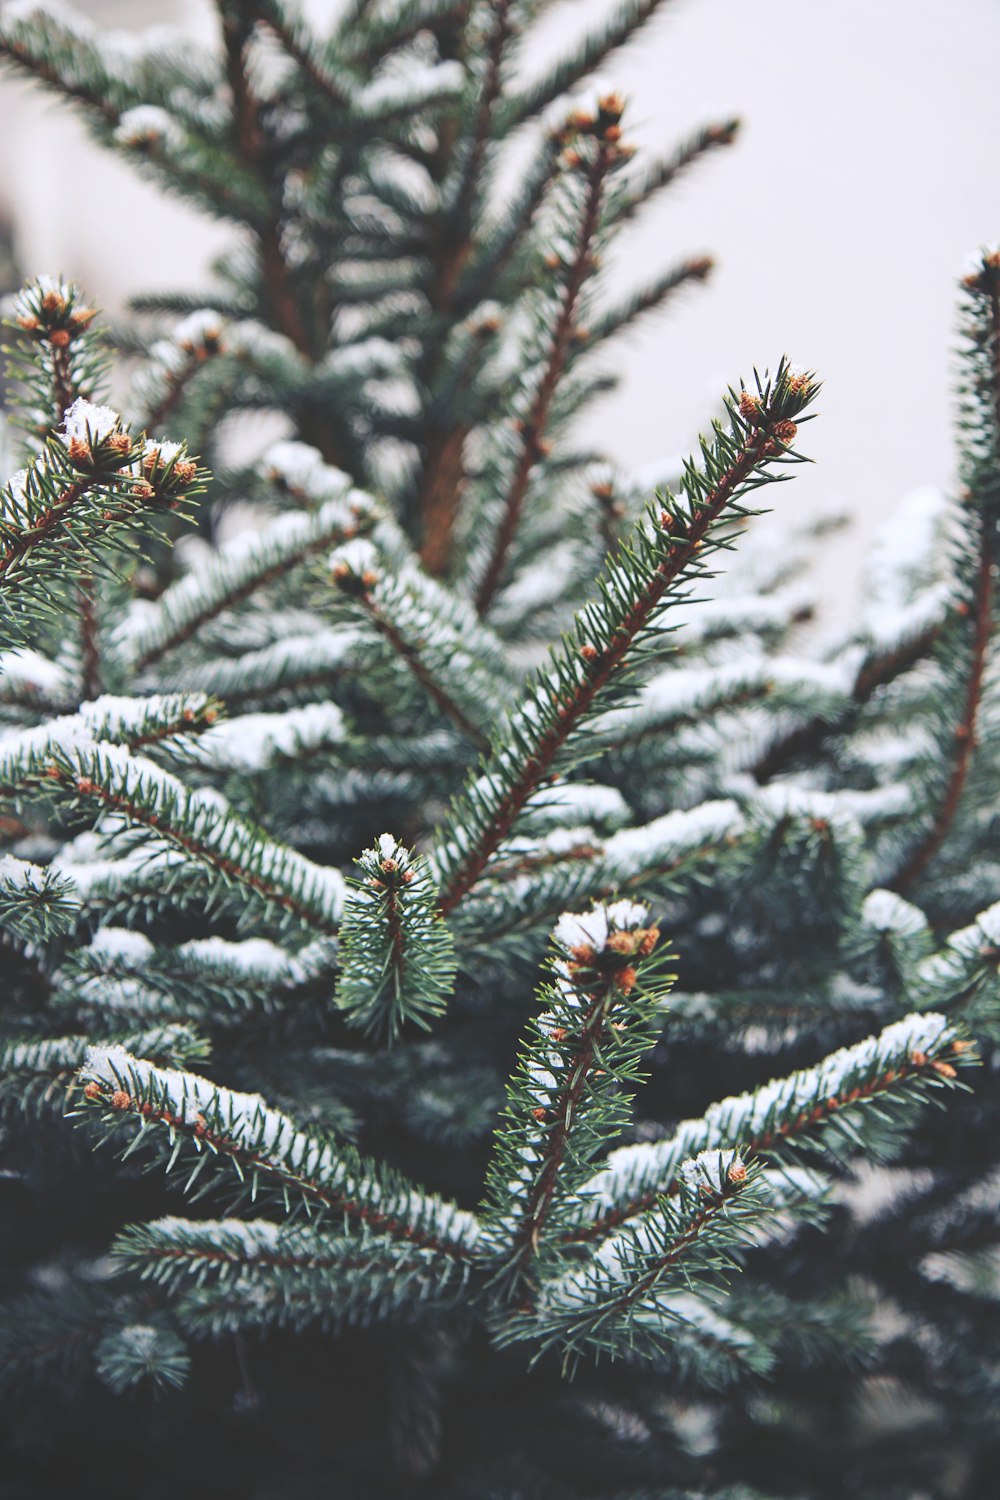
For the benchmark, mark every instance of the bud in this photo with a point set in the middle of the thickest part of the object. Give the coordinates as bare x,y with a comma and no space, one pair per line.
93,1090
120,1100
737,1172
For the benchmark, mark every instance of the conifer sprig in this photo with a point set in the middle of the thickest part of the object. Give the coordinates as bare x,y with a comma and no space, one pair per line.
397,957
861,1095
599,1017
257,1155
594,152
968,634
669,547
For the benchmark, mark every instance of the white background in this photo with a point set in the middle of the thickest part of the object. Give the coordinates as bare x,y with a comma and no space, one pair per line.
867,167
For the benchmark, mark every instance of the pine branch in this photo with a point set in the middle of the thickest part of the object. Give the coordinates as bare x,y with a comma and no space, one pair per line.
625,1299
397,956
565,1099
454,658
863,1094
972,626
235,1273
260,1155
669,547
237,572
591,53
595,162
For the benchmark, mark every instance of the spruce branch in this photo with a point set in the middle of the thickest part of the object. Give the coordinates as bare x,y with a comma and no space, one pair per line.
258,1154
595,157
860,1095
238,571
38,1074
75,500
969,636
36,902
155,805
652,180
453,657
667,548
397,956
591,53
565,1100
253,1274
625,1299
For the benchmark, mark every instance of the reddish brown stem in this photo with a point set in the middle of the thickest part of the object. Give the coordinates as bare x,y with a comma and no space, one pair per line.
145,818
406,651
90,652
600,1227
602,666
244,591
532,430
284,1176
443,471
578,1070
982,611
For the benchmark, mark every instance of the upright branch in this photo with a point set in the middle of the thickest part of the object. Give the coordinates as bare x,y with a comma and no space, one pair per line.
965,643
668,547
565,1098
397,957
594,154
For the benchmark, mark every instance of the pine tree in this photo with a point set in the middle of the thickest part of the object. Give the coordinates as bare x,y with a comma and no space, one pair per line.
364,866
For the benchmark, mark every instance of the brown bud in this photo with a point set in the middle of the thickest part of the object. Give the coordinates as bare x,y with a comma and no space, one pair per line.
185,470
621,942
588,652
552,262
583,953
648,940
120,1100
340,572
60,337
81,316
918,1059
118,442
29,324
626,980
79,450
737,1172
539,1113
749,405
944,1068
200,1125
389,866
93,1090
558,1033
408,877
52,302
611,107
785,431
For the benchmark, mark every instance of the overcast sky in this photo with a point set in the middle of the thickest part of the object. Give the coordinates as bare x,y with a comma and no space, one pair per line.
868,166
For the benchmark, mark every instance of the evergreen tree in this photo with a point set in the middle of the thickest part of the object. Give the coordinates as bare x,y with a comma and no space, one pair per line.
374,1214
